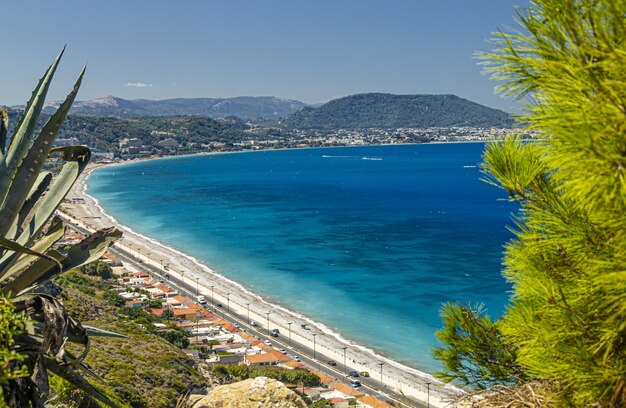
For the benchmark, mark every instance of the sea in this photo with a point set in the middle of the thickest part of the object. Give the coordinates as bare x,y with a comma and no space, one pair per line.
370,241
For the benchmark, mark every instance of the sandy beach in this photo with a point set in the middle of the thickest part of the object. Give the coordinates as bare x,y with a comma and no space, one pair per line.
329,345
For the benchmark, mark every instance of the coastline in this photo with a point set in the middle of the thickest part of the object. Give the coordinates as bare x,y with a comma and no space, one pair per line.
412,382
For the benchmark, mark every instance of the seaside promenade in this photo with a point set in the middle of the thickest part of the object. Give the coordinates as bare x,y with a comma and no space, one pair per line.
236,300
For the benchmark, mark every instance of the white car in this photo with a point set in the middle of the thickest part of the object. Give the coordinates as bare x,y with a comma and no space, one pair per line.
269,343
296,358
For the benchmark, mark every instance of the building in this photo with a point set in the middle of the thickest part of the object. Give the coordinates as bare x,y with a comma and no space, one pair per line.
168,143
102,155
270,358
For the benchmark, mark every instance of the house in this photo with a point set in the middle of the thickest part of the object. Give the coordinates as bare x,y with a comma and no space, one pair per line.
347,390
111,259
184,313
270,358
229,359
134,304
373,402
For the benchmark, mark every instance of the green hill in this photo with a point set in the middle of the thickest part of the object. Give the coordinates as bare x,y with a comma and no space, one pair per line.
377,110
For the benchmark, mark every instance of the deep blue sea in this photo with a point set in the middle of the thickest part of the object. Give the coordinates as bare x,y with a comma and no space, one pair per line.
369,241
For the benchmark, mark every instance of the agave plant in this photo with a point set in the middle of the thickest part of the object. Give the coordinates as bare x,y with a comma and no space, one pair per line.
29,198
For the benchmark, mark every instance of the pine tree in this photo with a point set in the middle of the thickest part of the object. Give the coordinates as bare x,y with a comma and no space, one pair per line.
566,322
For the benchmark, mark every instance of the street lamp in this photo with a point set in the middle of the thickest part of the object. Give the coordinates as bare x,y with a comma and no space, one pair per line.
344,359
428,394
248,304
182,274
268,322
289,324
212,301
130,246
197,323
381,374
161,260
228,303
314,354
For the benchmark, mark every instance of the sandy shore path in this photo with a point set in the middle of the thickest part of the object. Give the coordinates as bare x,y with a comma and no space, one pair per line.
329,345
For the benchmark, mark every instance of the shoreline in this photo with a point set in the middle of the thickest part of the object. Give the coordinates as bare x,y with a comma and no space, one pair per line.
404,379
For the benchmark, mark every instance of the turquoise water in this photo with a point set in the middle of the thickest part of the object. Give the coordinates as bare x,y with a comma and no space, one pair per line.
367,240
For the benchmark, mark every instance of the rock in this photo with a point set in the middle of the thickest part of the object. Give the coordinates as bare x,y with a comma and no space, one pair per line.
257,392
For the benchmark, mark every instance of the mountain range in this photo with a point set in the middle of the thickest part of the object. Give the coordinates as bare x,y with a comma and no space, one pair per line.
247,107
360,111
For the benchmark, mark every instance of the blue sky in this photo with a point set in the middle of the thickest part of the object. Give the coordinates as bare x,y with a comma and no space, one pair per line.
311,51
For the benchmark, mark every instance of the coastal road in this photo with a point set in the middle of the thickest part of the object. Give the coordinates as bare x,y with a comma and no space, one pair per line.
371,385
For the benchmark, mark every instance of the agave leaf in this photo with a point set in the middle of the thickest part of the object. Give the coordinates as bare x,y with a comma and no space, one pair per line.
22,135
77,158
33,161
86,369
91,248
88,250
8,272
4,128
73,377
94,331
13,246
40,187
49,321
82,366
21,279
76,333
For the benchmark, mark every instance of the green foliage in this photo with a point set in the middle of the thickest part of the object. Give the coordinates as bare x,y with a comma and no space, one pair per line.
284,375
476,353
177,337
567,318
323,403
167,314
113,298
154,303
387,111
11,324
99,268
106,132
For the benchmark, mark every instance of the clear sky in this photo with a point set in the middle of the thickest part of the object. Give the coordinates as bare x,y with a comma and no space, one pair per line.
311,51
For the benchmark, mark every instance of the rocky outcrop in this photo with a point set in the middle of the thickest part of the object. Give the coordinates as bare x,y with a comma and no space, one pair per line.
259,392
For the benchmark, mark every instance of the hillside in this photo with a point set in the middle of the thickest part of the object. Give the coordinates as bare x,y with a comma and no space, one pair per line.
376,110
142,370
249,107
104,133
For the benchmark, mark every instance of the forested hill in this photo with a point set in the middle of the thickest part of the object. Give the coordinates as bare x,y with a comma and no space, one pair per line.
105,133
377,110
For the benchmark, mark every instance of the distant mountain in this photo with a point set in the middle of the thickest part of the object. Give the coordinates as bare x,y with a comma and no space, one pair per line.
249,107
377,110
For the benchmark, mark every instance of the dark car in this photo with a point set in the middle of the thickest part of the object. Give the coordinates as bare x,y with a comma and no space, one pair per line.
219,305
331,363
353,374
356,384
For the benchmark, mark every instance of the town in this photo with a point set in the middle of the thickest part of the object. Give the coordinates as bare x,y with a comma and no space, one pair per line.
215,340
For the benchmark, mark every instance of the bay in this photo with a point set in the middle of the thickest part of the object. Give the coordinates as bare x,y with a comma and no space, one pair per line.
369,241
